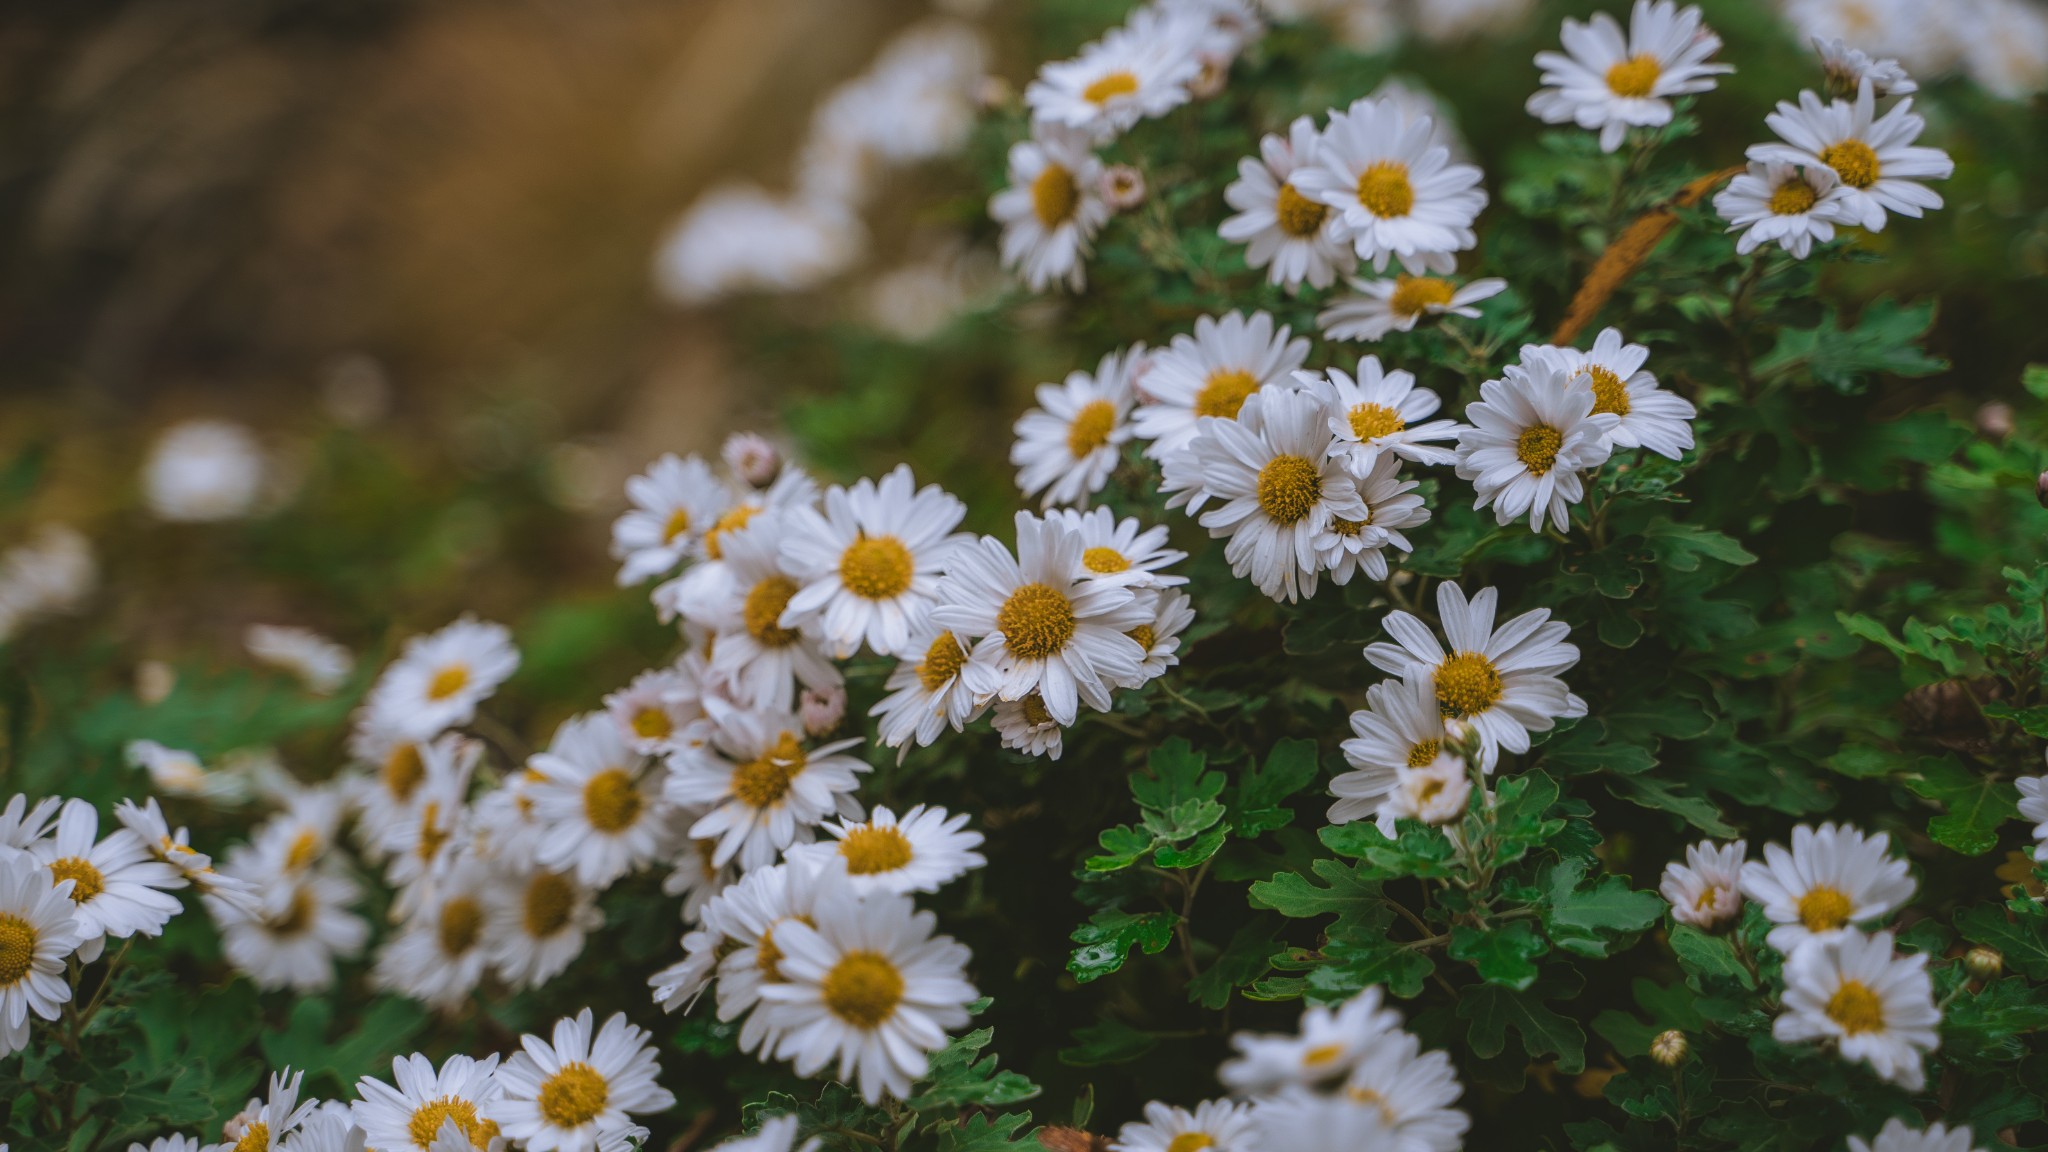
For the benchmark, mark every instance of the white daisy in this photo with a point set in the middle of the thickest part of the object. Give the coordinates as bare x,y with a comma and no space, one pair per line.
1068,445
1876,1006
791,488
869,565
184,1143
264,1122
1172,612
423,847
598,803
1051,210
1875,158
297,927
23,824
388,798
1394,187
1502,681
120,887
329,1128
674,501
1401,726
759,788
1026,726
1646,415
1294,236
1345,547
1847,68
777,1134
1896,1137
1308,1122
1783,204
1212,373
1329,1044
304,653
561,1097
1378,412
1435,793
922,851
679,984
1612,81
696,877
749,917
439,953
1041,629
176,772
1140,69
653,713
535,924
1531,435
1222,1125
173,847
408,1112
1888,27
1706,890
1122,552
870,985
1397,303
1833,877
442,677
755,653
204,470
1413,1092
2033,806
1276,487
2006,52
926,694
38,929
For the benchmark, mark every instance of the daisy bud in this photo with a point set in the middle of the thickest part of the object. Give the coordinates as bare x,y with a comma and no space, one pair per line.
752,458
1669,1048
154,680
1122,187
821,712
1983,963
994,92
2041,489
1210,80
1994,420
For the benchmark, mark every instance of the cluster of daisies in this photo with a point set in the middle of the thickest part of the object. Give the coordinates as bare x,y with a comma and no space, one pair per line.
1843,984
1351,1079
2002,45
576,1090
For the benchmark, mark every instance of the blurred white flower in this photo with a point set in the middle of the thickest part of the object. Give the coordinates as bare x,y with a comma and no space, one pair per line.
204,470
313,658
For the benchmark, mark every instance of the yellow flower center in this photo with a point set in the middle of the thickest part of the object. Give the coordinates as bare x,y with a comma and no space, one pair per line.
427,1120
1104,561
610,801
1372,421
1635,77
1708,898
432,835
403,770
1360,1094
549,898
1424,754
304,850
1432,786
863,989
1537,448
462,921
876,567
1036,622
763,781
1856,1008
17,948
870,849
767,956
1035,712
1054,196
1110,87
1610,394
1321,1055
448,681
296,918
86,880
1415,295
1289,487
1824,909
764,605
255,1137
651,723
1384,190
1190,1142
1467,684
1299,215
573,1096
1145,637
734,519
678,523
941,662
1091,427
1854,161
1793,197
1225,393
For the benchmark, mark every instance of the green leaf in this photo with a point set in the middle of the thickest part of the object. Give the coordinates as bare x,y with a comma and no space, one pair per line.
1886,338
2033,721
1109,936
1179,798
1122,845
382,1031
1706,957
957,1078
1493,1009
1107,1041
1417,850
1504,954
1977,804
1681,547
1242,961
1665,796
1590,921
1261,801
983,1133
1359,961
1350,893
2022,936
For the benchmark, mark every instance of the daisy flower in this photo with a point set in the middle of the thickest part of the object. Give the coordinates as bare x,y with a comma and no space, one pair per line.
1890,27
1502,681
1401,726
1896,1137
1847,68
1646,415
204,471
791,488
1276,487
922,851
23,824
1413,1092
176,772
438,955
1292,235
871,986
442,677
653,713
1345,547
184,1143
1396,304
1141,69
408,1112
1041,629
330,1127
561,1097
1436,793
1051,210
1611,81
424,846
1530,437
703,593
1833,877
926,694
759,656
1223,1125
535,923
1706,890
1026,726
1380,411
1212,374
38,929
296,928
1879,166
760,789
321,663
277,1116
695,877
2033,806
1121,552
777,1134
1394,188
386,800
1329,1044
749,917
674,501
1308,1122
1876,1006
174,848
868,566
2006,52
1172,612
120,887
1068,445
1783,204
679,984
598,803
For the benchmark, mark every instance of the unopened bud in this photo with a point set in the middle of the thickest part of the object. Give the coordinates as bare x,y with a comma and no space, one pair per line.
1214,74
1122,187
1669,1048
2041,489
1983,963
752,458
1995,420
821,711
